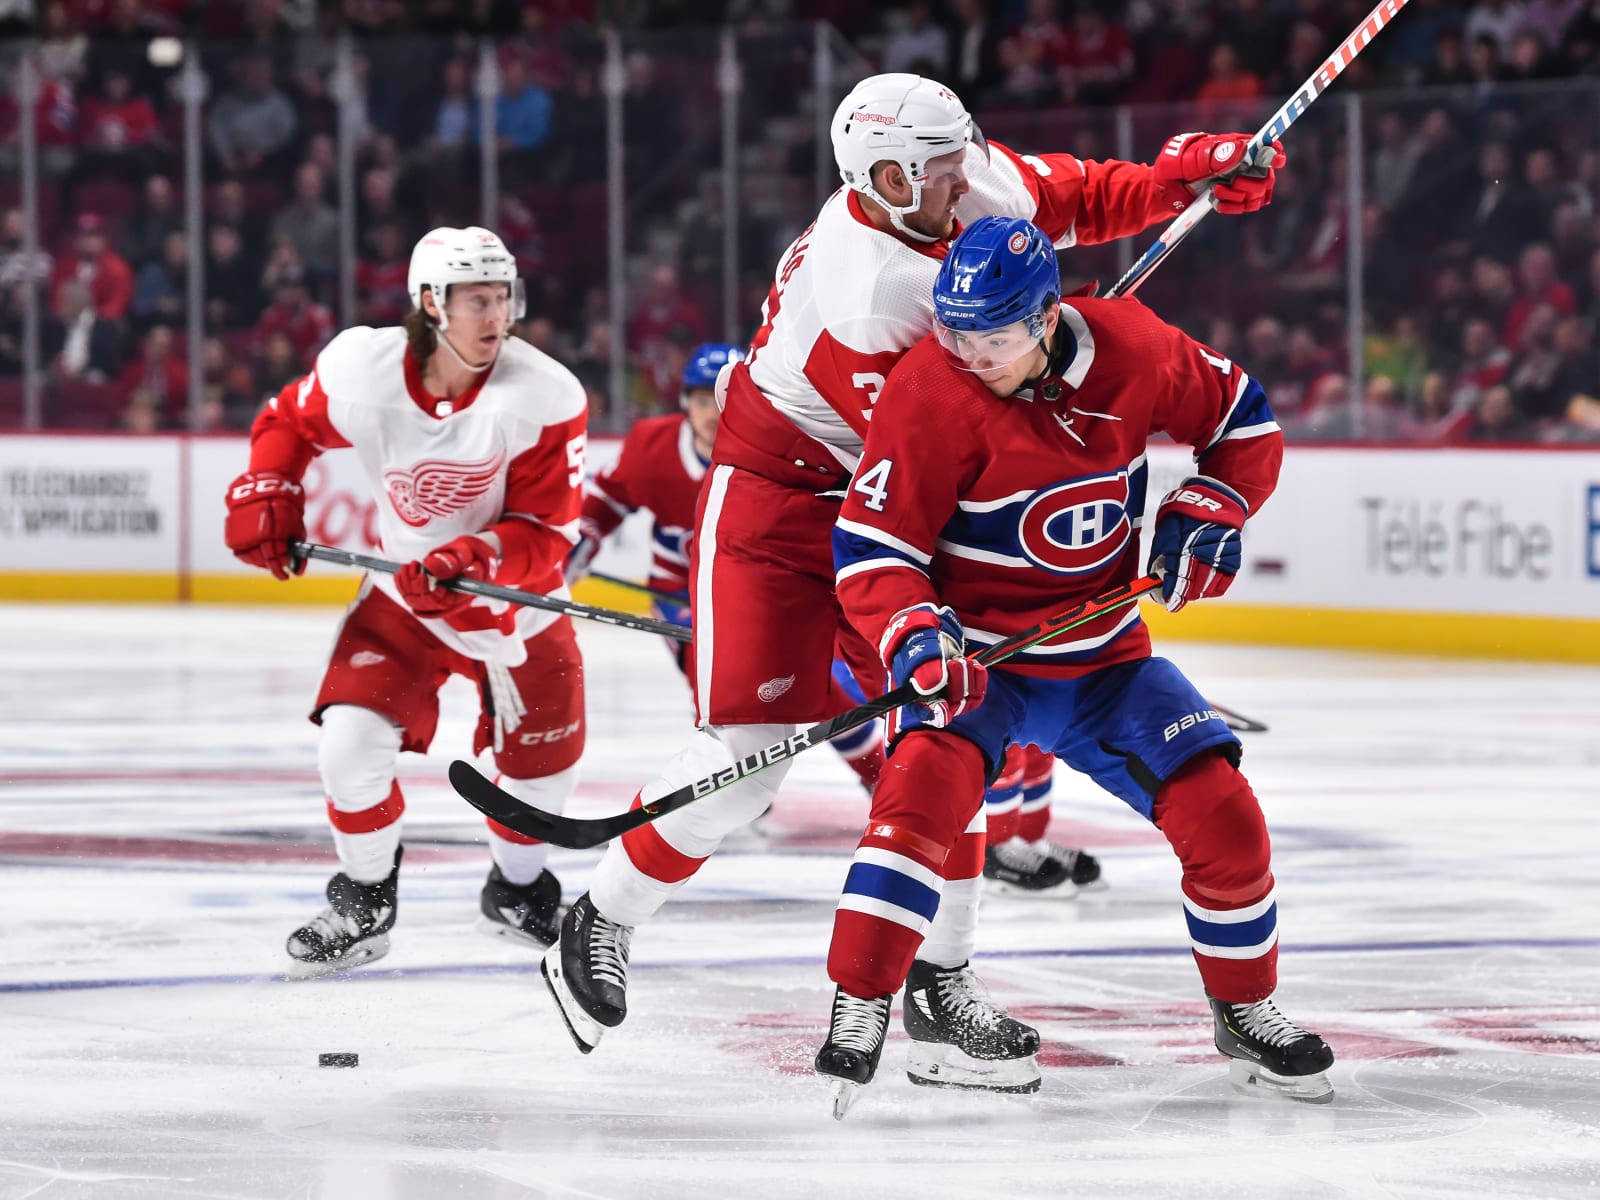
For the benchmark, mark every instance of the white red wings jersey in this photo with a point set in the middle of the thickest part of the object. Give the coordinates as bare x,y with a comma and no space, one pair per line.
507,456
849,298
658,471
1012,509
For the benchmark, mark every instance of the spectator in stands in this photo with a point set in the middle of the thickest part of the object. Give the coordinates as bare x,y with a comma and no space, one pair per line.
117,126
1493,291
233,284
1097,62
1496,418
381,287
915,43
310,223
1446,306
1483,364
1549,19
455,124
592,361
1538,284
1555,370
160,294
141,413
1497,20
1449,67
76,341
1227,82
975,66
1394,160
252,122
158,216
16,264
1530,60
63,49
376,207
1581,40
230,206
521,111
1398,353
1030,55
1505,214
293,313
161,371
665,314
1547,188
1436,419
95,263
1484,64
279,364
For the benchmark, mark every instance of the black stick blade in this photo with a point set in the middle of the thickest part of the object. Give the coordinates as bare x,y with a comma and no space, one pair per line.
567,832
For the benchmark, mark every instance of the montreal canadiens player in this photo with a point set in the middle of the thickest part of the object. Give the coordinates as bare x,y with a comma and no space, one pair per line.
851,295
659,469
1031,498
472,442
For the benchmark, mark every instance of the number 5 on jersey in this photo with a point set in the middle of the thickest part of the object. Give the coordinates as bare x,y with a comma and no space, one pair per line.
873,483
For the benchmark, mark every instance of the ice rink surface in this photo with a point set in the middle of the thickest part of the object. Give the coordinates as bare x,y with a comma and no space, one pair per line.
1437,836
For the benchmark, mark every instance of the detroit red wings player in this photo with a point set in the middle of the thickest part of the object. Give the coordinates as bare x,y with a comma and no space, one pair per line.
472,442
852,294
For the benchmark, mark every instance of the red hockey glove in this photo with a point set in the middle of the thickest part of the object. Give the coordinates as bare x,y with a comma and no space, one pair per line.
468,557
922,645
266,511
1197,537
1191,160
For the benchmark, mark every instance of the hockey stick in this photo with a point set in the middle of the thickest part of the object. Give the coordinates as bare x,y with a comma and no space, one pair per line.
679,598
580,834
1321,79
476,587
1238,722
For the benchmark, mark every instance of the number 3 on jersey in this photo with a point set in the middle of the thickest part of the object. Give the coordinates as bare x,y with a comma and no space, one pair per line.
873,483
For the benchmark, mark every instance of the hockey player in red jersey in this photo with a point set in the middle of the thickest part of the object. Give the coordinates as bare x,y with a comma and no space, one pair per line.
1032,497
852,294
659,469
472,442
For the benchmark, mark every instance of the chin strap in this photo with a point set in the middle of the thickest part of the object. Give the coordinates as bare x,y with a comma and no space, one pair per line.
456,354
897,213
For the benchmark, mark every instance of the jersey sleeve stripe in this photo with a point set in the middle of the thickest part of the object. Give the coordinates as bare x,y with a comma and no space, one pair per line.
888,540
874,564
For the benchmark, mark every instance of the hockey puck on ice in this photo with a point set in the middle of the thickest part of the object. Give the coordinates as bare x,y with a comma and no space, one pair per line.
338,1060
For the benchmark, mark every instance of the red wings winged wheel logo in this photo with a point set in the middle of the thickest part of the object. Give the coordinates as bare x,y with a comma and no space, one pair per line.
436,488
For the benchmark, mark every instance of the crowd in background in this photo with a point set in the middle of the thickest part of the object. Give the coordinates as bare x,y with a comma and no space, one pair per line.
1480,184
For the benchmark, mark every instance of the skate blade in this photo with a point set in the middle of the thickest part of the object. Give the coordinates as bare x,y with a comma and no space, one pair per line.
585,1030
1251,1079
370,950
489,927
845,1094
933,1064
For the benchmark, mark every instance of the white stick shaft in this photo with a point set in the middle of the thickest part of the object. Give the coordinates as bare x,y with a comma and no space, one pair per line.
1321,79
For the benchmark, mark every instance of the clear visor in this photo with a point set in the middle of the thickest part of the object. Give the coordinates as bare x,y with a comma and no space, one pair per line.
481,303
992,349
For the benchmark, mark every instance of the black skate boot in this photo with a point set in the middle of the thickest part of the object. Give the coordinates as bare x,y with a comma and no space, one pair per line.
962,1038
587,973
1035,867
352,930
1270,1052
849,1058
528,912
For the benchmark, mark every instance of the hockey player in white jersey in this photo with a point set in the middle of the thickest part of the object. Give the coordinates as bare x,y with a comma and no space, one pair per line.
472,443
852,294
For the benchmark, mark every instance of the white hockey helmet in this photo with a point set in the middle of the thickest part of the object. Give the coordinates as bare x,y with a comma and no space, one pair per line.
471,255
900,118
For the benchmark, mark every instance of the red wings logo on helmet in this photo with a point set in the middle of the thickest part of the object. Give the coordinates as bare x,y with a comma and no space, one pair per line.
440,489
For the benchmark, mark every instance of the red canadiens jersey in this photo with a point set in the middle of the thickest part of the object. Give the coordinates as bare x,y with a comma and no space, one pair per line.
1010,510
658,471
506,456
849,298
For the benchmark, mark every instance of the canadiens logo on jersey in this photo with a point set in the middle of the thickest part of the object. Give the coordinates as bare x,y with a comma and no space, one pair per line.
1076,526
434,488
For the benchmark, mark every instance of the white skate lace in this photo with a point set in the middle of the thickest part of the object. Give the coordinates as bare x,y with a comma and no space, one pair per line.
608,952
1064,855
966,999
858,1024
1263,1021
331,926
1024,857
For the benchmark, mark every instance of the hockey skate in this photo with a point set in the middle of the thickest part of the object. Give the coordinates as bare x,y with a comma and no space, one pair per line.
1270,1053
961,1038
587,973
528,912
1031,868
352,930
849,1058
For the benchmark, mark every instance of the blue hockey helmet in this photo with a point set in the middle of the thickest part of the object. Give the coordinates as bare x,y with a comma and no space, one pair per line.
705,361
998,280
